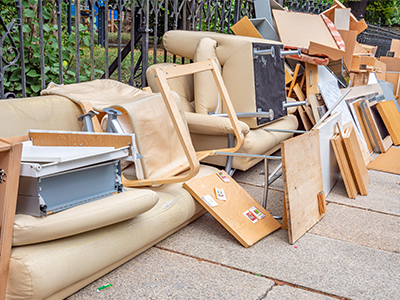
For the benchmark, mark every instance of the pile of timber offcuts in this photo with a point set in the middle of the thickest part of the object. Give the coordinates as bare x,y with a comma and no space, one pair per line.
351,97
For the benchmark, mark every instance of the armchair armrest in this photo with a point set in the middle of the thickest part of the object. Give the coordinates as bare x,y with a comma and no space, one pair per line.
212,125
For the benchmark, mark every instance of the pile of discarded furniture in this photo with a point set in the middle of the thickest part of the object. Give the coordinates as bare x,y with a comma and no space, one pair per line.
98,172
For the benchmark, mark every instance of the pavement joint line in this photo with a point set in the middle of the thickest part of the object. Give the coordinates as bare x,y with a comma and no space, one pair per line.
362,208
260,186
276,281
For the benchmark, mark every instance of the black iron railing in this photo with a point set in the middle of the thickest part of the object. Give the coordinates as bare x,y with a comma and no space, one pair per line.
70,42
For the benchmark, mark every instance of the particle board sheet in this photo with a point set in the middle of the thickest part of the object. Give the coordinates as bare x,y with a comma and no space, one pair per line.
364,150
230,213
388,162
391,117
244,27
302,175
298,29
344,166
356,160
395,47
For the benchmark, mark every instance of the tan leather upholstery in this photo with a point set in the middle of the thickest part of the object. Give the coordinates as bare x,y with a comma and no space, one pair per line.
235,54
61,253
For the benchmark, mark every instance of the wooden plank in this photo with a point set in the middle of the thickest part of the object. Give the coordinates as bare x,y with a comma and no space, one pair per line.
244,27
312,79
310,115
10,160
314,106
229,213
323,50
294,29
359,26
395,47
364,150
292,84
356,161
343,162
321,203
284,214
80,139
383,142
388,162
349,37
391,117
302,175
393,78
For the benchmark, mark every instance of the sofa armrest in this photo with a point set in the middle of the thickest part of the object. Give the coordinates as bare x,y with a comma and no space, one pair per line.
212,125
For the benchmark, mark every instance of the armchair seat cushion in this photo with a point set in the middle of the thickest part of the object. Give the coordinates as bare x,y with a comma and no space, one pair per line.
103,212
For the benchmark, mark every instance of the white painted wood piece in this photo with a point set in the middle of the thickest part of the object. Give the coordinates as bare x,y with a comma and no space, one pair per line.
342,18
329,165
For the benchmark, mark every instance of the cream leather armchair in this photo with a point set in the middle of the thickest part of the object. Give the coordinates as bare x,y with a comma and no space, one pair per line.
256,84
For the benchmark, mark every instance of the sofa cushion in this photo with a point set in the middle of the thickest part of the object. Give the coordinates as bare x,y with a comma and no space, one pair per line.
48,270
103,212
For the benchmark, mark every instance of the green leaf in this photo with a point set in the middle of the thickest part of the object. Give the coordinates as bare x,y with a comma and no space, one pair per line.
26,28
86,40
36,88
46,28
46,14
32,73
15,76
29,13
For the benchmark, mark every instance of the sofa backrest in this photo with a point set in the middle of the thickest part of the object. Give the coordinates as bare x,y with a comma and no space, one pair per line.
44,112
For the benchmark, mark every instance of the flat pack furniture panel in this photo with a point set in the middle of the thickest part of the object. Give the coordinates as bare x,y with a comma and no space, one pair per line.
329,164
395,47
375,124
312,79
356,161
344,166
230,213
359,26
392,63
302,175
10,157
365,153
270,86
294,29
349,37
388,162
391,117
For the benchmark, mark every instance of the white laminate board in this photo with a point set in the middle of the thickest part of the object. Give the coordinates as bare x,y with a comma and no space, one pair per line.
329,165
59,154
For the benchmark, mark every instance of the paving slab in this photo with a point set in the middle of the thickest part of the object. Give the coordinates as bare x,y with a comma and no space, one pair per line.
274,200
383,193
160,274
286,292
357,226
323,264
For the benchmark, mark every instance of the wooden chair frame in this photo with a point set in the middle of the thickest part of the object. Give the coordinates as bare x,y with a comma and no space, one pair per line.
193,158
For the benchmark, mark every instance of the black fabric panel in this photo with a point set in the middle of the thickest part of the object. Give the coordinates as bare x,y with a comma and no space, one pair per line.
269,79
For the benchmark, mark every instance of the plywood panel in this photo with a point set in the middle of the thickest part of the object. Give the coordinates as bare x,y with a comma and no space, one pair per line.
356,161
245,28
294,29
344,166
391,118
387,162
392,63
312,79
302,175
230,212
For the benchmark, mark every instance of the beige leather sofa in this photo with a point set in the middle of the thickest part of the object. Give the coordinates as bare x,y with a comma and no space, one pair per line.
54,256
249,88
